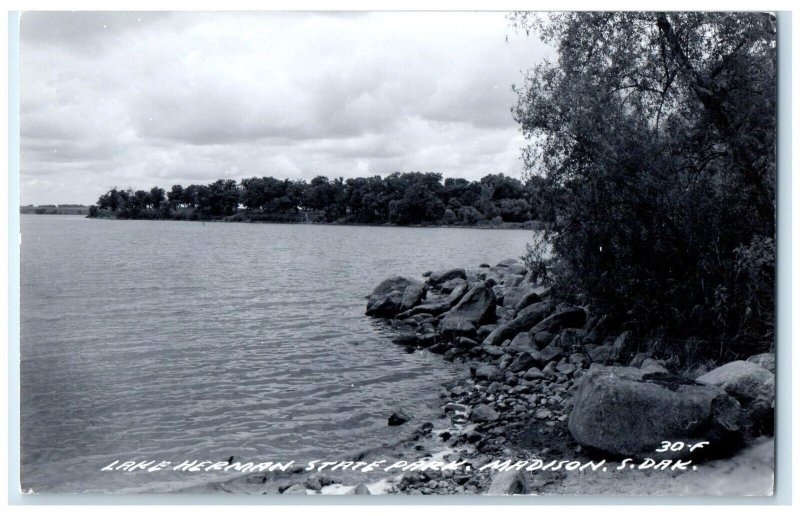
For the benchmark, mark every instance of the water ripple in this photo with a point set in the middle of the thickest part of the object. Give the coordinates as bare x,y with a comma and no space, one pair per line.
178,340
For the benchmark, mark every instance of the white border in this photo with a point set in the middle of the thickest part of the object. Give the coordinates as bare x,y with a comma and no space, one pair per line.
788,255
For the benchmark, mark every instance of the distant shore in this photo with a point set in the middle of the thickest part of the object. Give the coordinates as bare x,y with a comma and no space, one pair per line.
245,217
55,209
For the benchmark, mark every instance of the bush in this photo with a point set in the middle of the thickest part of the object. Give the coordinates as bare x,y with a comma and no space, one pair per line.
449,217
654,154
469,215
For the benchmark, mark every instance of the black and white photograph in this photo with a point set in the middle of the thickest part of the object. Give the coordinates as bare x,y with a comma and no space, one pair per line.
398,253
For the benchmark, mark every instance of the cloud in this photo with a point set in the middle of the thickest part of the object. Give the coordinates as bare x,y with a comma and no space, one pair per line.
137,99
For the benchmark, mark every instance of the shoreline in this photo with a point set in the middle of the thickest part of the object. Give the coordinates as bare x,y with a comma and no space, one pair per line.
512,409
533,226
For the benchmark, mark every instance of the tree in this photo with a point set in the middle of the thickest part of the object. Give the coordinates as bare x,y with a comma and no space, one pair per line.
176,196
223,197
515,210
458,192
157,197
654,137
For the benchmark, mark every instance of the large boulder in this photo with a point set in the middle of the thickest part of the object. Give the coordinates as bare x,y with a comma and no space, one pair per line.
525,294
476,307
387,298
526,318
450,285
571,317
511,266
438,306
627,412
508,262
510,482
765,360
437,278
522,343
752,386
412,295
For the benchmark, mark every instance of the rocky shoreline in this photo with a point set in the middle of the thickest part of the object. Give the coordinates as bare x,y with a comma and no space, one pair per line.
545,385
542,388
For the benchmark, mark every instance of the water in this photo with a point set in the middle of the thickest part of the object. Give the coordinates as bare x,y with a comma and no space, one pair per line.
182,340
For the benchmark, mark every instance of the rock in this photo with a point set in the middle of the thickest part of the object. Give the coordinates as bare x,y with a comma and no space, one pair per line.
566,368
424,429
295,489
483,413
466,343
522,295
511,266
412,295
487,372
532,297
543,414
513,280
578,359
624,411
571,339
436,307
437,278
499,292
360,489
494,351
551,352
450,285
507,262
600,354
439,348
765,360
548,371
534,373
485,330
472,436
523,362
455,407
572,317
522,343
398,418
492,280
542,338
387,298
752,386
526,318
503,315
650,365
638,359
621,346
476,307
508,483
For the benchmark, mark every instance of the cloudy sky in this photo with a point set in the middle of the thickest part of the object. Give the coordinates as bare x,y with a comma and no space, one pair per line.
144,99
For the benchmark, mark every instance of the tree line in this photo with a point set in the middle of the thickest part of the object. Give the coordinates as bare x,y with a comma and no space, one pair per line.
411,198
654,136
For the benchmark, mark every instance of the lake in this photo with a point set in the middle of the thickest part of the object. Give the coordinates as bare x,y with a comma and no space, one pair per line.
171,340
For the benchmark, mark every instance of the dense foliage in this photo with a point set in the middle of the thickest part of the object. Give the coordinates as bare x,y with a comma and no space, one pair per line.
403,199
653,147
